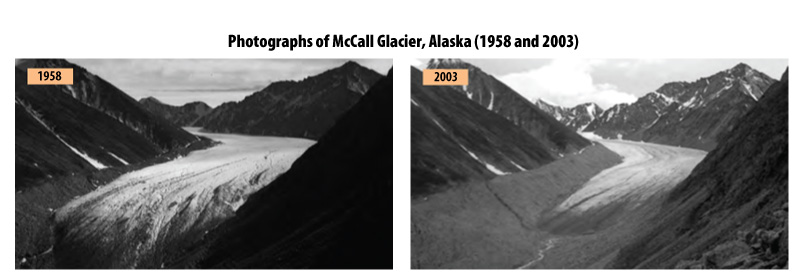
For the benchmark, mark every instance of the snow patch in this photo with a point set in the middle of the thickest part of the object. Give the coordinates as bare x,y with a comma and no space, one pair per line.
490,106
495,170
749,90
517,166
95,163
668,99
591,111
83,155
489,167
118,158
439,125
590,135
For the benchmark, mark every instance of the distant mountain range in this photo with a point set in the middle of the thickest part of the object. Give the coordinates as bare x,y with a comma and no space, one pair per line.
455,138
576,118
689,114
89,125
732,211
306,108
185,115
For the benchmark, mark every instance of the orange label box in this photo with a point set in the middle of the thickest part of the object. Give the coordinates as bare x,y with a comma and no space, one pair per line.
49,76
445,77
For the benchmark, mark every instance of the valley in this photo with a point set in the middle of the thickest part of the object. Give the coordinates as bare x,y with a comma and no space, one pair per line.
690,175
144,217
567,214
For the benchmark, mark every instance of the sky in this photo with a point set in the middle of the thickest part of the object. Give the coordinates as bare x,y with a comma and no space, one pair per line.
569,82
213,81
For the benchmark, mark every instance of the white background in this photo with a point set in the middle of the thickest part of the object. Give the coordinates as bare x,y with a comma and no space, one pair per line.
195,29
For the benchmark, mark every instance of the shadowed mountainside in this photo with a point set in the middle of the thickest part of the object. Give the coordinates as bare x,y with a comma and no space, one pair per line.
494,95
332,209
731,212
455,139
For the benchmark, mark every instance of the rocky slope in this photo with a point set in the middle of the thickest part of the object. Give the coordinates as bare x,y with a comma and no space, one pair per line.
492,224
455,139
576,118
689,114
306,108
70,139
184,115
100,95
86,126
494,95
732,211
332,209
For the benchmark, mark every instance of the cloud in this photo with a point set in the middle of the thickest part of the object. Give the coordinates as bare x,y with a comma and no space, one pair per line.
567,82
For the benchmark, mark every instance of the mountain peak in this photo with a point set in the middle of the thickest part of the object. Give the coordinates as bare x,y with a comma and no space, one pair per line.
350,64
740,69
541,100
349,68
447,63
46,63
150,99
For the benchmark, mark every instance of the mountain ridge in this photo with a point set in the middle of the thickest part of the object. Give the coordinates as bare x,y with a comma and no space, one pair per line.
305,108
689,114
496,96
732,211
184,115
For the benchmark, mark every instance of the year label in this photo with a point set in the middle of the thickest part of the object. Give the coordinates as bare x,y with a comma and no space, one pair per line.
445,77
49,76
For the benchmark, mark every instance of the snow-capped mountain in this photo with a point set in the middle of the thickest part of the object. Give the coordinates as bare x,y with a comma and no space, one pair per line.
305,108
690,114
576,118
732,211
494,95
455,139
184,115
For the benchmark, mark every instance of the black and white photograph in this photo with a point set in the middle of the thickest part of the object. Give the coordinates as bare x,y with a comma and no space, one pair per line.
601,164
205,164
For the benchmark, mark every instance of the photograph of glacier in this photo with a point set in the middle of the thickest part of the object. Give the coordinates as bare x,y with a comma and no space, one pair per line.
196,164
601,163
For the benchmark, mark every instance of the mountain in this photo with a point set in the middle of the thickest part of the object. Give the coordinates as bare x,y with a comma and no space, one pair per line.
576,118
496,96
306,108
332,209
732,211
184,115
455,139
689,114
89,125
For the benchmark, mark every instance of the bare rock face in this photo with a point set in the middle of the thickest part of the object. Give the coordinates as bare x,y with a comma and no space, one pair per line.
306,108
689,114
576,118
